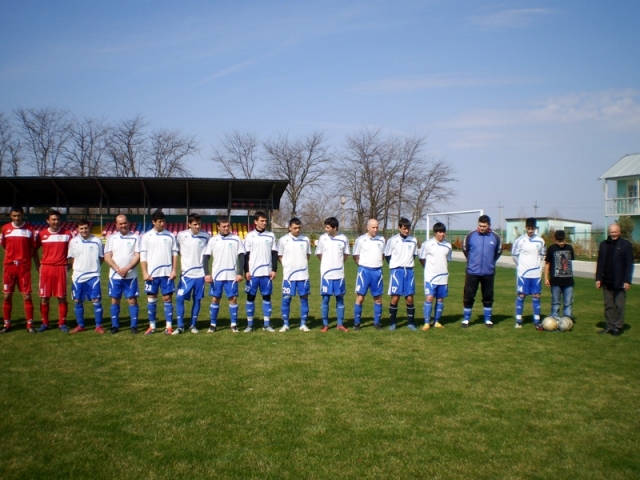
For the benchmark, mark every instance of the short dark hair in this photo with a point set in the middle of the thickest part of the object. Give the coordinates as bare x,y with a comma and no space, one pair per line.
439,227
332,222
157,215
404,222
83,221
295,221
531,223
484,219
16,208
259,214
222,219
560,235
51,213
193,217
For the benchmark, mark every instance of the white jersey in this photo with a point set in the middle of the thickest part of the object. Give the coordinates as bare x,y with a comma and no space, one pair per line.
158,250
225,251
86,256
259,246
402,251
436,255
123,248
294,252
369,250
190,247
333,250
528,253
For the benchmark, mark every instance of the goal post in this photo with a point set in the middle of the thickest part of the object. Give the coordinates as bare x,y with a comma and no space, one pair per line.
429,216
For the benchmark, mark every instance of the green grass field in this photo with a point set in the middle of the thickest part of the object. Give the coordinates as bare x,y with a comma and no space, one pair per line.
452,403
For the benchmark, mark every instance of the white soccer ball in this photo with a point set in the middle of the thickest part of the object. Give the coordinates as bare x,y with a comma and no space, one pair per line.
565,324
550,324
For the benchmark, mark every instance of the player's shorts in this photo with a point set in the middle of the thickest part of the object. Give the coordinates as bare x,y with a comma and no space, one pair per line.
191,287
264,284
402,282
335,287
293,287
162,284
19,275
53,281
369,278
438,291
229,287
529,286
89,290
126,286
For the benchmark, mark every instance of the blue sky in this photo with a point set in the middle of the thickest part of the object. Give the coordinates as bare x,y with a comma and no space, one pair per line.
530,101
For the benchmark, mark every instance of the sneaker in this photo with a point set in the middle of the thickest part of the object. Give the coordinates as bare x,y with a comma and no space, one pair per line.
31,330
115,330
234,329
193,329
539,327
377,326
411,327
168,331
465,324
356,327
248,329
100,329
43,328
304,328
178,331
392,327
269,328
212,329
488,323
63,328
285,328
342,328
426,327
518,324
324,329
6,329
78,329
438,325
134,330
149,331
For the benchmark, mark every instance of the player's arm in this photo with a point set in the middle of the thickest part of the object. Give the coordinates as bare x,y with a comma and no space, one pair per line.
174,266
247,271
547,271
274,264
356,258
515,251
206,259
36,258
240,267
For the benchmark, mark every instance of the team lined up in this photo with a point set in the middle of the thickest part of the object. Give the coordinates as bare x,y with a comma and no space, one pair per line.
223,261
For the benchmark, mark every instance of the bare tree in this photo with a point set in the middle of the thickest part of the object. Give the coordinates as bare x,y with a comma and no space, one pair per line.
302,162
314,212
237,154
169,150
45,132
128,147
6,139
86,150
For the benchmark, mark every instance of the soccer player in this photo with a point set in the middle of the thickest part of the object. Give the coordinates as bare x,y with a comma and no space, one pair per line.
85,257
54,241
226,272
558,272
19,242
158,259
294,251
400,252
482,248
191,245
434,257
528,252
122,254
260,266
333,251
368,253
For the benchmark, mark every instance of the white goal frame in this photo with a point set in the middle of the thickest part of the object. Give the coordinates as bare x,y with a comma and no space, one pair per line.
480,212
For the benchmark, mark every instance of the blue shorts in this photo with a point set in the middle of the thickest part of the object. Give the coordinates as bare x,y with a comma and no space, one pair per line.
128,286
229,287
264,284
89,290
402,282
163,284
529,286
369,278
336,287
290,287
438,291
191,287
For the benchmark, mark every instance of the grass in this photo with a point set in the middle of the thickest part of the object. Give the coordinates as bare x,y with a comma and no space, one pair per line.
452,403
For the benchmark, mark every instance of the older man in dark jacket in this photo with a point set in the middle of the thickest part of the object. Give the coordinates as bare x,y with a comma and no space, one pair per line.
613,274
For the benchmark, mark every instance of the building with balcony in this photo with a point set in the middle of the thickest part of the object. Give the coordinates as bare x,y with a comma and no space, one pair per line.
622,190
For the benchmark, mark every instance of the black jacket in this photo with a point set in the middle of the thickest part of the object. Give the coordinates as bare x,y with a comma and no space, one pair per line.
622,261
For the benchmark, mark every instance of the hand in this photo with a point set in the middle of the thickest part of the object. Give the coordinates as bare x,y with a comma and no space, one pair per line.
247,276
147,278
239,278
547,282
172,275
208,279
272,275
627,286
598,284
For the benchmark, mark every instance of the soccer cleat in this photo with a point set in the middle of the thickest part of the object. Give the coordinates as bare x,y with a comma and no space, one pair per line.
234,329
465,324
518,324
342,328
178,331
392,327
539,327
63,328
168,331
488,324
134,330
31,330
268,328
285,328
412,327
356,327
325,329
43,328
115,330
193,329
212,329
377,326
248,329
99,329
304,328
438,325
149,331
78,329
426,327
6,329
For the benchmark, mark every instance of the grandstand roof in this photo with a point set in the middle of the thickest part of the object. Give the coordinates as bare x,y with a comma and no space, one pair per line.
189,193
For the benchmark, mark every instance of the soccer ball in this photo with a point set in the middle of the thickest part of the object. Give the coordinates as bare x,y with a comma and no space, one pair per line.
550,324
565,324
